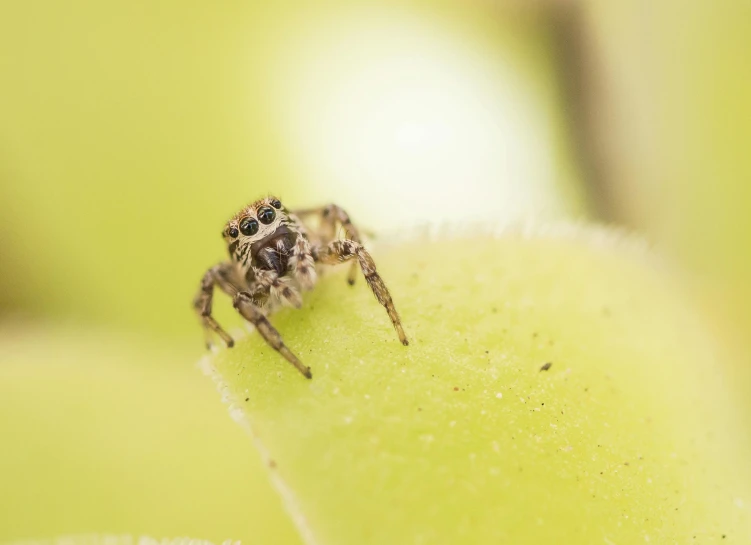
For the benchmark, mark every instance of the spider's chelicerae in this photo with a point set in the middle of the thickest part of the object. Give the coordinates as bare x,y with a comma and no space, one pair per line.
274,255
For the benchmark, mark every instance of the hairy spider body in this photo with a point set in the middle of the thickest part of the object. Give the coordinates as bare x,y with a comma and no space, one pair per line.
274,256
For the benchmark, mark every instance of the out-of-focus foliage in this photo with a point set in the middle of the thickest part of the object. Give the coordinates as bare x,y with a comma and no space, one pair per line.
131,131
671,89
121,539
102,433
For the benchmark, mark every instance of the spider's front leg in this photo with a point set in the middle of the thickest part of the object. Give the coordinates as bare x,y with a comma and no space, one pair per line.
244,304
339,251
331,216
219,275
301,262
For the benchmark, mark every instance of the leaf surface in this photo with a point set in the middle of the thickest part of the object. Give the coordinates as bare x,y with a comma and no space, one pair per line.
628,436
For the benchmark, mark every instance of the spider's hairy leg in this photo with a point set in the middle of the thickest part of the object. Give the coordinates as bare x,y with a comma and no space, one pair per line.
302,264
219,275
339,251
301,261
331,216
335,214
243,302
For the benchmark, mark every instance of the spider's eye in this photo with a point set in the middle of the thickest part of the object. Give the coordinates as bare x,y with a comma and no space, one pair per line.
233,232
266,215
276,203
249,227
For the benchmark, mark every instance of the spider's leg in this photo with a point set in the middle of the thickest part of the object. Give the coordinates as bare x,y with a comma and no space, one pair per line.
301,262
338,215
244,304
219,275
332,216
339,251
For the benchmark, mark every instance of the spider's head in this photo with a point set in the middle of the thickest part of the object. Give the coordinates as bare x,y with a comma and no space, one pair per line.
253,225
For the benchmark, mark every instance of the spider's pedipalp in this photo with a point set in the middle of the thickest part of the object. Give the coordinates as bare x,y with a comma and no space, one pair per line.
279,287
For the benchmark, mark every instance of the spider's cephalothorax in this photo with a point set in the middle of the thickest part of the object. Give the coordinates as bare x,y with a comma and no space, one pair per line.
273,257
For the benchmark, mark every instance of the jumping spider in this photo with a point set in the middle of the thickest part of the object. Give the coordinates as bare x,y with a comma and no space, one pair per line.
273,256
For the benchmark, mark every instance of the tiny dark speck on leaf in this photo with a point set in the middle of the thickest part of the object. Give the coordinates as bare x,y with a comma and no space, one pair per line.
547,366
534,335
247,398
723,536
272,464
494,310
456,388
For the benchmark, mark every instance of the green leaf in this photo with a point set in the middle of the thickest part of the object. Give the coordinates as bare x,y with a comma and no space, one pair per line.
629,436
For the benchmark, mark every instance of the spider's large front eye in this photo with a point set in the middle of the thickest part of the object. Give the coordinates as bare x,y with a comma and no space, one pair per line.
266,215
249,227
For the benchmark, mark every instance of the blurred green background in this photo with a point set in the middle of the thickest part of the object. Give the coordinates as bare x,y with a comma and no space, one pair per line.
130,131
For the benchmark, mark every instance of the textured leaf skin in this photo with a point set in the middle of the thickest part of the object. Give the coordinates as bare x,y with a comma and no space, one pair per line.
629,436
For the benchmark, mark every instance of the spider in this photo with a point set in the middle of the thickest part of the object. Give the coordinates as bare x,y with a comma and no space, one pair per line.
273,257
